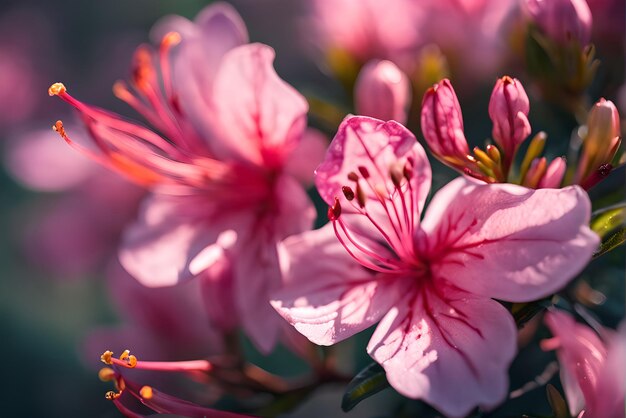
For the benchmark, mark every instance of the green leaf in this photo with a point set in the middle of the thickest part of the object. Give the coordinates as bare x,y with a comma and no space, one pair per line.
610,224
366,383
524,312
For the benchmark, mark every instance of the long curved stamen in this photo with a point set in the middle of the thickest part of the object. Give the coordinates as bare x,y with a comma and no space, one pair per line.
129,361
170,40
58,89
381,261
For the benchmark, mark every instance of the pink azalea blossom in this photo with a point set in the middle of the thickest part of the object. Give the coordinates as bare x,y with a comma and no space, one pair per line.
226,174
592,370
430,282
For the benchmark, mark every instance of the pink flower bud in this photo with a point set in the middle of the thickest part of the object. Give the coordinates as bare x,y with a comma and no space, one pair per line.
442,124
553,176
382,91
602,140
508,110
562,20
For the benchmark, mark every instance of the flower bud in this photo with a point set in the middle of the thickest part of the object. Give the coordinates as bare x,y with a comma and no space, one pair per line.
382,91
602,139
442,125
553,177
508,110
562,20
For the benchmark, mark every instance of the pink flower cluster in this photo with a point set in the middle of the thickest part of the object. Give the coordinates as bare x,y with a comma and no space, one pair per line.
226,166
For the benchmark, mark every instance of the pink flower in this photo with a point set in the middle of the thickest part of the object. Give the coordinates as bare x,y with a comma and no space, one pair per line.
467,31
592,371
226,174
361,28
562,20
382,91
508,110
441,337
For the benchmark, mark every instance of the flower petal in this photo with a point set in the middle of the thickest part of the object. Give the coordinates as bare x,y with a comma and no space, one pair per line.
328,296
260,117
170,234
373,144
581,355
307,156
447,347
217,29
257,271
508,242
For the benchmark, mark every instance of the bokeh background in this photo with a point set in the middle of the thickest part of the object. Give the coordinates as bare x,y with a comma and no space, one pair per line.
60,216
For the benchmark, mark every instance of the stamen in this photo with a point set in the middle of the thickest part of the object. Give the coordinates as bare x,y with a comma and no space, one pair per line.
129,361
107,357
360,196
408,172
334,211
58,128
348,193
110,395
353,176
396,173
106,374
146,392
364,172
171,39
56,89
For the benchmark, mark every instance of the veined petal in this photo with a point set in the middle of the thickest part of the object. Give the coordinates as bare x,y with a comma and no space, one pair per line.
379,173
375,145
256,269
308,154
329,297
171,232
260,117
508,242
447,347
581,355
217,29
611,387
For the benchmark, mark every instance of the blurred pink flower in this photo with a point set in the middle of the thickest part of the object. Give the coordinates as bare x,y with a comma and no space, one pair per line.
225,189
468,31
592,371
561,20
26,40
382,91
441,337
156,321
81,227
361,28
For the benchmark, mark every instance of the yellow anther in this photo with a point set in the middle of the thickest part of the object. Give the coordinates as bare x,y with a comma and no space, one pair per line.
106,357
171,39
106,375
56,89
146,392
110,395
58,128
132,361
125,355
